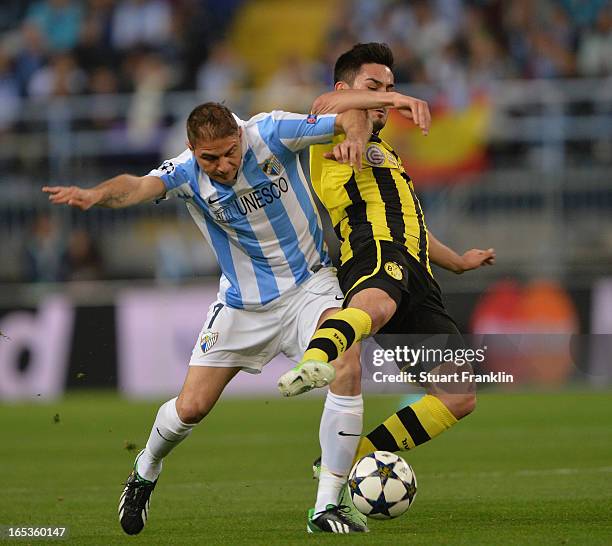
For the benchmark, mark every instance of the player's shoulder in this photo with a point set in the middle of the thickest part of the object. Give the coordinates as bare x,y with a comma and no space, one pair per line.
272,125
184,163
274,115
385,144
285,122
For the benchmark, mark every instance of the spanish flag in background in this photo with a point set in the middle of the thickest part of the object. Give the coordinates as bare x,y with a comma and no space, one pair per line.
455,146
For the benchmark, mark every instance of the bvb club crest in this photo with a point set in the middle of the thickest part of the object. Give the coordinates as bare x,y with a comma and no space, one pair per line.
208,339
394,271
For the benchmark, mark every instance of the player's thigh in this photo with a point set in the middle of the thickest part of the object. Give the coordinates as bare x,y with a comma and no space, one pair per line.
428,315
376,281
236,338
202,388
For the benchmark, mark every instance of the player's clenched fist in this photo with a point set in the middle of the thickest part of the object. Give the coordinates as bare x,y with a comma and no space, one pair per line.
71,195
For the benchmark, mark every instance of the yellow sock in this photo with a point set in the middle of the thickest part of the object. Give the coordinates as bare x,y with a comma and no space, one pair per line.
337,333
409,427
364,447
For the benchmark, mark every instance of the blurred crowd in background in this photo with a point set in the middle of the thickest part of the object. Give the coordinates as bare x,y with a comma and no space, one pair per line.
59,47
70,47
99,51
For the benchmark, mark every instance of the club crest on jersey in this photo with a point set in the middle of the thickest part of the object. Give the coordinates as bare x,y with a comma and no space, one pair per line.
225,214
207,340
374,155
312,119
394,271
271,166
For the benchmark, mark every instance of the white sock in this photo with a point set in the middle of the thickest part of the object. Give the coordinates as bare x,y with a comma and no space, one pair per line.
341,414
329,489
168,431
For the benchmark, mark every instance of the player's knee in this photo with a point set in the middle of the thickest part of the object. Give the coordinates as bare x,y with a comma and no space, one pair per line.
378,304
380,316
382,312
461,405
191,410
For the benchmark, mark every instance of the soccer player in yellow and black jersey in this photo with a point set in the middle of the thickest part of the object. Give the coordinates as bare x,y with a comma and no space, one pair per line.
386,250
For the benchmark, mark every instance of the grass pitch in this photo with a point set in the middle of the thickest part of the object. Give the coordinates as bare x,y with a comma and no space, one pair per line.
523,469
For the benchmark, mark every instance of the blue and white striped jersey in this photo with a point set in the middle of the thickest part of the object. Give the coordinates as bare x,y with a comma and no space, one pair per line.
265,229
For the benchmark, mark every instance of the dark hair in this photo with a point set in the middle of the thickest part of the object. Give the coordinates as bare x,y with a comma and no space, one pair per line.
350,62
210,121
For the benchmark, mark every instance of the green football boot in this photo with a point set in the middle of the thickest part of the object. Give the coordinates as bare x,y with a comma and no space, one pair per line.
333,520
312,374
344,499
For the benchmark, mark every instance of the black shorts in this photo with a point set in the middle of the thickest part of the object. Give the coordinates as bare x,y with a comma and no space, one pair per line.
421,320
420,309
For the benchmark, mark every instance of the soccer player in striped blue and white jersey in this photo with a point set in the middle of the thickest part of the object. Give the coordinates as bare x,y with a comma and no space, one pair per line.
243,185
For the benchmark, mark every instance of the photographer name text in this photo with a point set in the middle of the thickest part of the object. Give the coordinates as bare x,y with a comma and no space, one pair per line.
430,377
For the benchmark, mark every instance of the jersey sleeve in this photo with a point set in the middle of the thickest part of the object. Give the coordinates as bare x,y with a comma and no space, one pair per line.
177,174
298,131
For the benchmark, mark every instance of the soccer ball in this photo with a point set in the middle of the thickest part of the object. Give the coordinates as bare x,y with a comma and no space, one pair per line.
382,485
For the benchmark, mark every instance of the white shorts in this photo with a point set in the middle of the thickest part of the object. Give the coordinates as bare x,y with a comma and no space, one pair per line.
250,339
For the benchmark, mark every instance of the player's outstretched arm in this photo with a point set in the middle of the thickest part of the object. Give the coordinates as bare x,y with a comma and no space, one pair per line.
346,99
357,127
118,192
447,258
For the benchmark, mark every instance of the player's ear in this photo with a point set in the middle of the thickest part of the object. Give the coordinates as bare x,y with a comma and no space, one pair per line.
189,145
341,85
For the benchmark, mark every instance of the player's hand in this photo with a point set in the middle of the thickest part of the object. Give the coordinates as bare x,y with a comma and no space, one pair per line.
71,195
348,151
415,109
475,258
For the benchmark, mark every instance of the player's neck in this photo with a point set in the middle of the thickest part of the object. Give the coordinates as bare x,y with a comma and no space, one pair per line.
225,183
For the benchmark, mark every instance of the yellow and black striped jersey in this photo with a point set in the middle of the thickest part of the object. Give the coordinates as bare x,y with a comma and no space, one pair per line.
377,203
